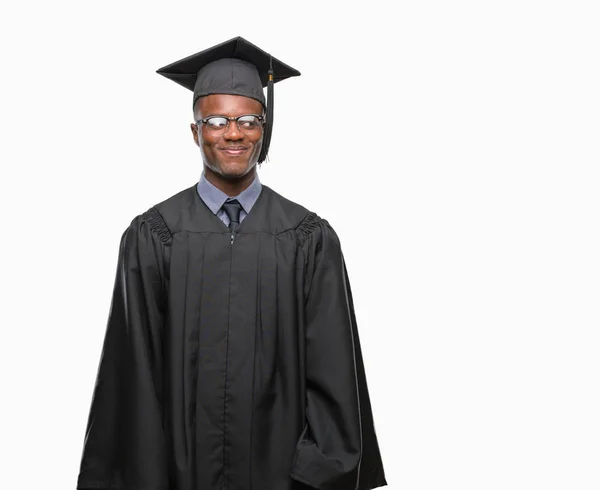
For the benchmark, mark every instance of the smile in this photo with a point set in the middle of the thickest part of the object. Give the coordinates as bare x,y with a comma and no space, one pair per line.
234,150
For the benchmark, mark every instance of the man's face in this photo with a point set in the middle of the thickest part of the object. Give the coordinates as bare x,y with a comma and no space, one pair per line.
233,153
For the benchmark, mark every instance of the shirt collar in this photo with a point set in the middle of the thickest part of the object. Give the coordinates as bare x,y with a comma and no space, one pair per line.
214,197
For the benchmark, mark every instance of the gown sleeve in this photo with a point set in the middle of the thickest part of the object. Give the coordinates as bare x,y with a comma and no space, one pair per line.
124,445
338,448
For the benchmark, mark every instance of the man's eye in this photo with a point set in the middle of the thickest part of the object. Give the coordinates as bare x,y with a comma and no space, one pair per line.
249,122
217,122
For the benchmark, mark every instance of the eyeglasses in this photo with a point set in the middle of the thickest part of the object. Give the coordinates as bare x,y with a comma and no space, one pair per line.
246,123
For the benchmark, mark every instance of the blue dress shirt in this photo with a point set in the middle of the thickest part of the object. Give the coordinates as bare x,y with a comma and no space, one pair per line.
214,198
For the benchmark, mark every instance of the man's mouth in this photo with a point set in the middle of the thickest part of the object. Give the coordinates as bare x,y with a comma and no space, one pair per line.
234,150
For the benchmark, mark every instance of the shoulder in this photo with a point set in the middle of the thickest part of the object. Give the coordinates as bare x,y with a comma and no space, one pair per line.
317,233
177,209
308,224
291,209
146,228
280,213
158,221
173,205
305,222
165,217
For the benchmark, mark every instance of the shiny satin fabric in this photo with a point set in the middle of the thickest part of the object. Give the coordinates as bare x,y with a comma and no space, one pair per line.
231,362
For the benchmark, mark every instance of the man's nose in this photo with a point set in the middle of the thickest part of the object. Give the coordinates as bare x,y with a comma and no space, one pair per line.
233,132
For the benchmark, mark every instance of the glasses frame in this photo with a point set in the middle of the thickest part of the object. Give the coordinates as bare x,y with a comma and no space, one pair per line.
261,119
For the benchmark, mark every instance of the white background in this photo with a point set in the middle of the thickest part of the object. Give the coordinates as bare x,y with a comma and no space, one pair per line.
454,146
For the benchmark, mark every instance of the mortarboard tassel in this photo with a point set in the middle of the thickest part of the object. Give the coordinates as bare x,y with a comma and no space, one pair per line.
269,124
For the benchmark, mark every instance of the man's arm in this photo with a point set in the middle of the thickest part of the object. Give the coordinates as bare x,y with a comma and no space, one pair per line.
124,444
338,448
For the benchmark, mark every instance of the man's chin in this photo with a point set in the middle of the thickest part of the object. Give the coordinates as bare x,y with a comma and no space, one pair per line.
233,171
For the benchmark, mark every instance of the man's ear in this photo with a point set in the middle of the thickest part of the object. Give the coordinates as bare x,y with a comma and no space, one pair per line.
194,129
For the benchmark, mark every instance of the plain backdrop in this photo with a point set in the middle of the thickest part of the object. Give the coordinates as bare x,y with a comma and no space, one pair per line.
454,147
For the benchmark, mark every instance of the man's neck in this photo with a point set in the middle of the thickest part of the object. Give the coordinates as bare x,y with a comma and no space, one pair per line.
231,187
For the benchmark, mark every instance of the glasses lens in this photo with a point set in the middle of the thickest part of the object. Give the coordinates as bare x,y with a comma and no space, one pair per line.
216,124
249,123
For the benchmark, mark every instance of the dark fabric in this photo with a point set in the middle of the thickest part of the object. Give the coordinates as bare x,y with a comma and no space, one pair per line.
230,366
229,76
235,67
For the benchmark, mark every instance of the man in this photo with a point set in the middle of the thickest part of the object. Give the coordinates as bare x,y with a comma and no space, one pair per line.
231,358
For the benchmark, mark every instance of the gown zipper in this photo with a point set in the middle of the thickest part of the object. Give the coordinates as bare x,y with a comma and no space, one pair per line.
225,432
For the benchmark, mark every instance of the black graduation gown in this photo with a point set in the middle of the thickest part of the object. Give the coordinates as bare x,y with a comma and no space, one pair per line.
230,366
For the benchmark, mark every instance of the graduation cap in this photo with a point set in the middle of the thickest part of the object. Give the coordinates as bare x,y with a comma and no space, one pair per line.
235,67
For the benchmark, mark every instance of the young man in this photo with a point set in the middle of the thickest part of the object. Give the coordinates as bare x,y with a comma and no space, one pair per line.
231,358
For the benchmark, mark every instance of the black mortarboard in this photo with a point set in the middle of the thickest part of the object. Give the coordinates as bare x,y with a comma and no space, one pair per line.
235,67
